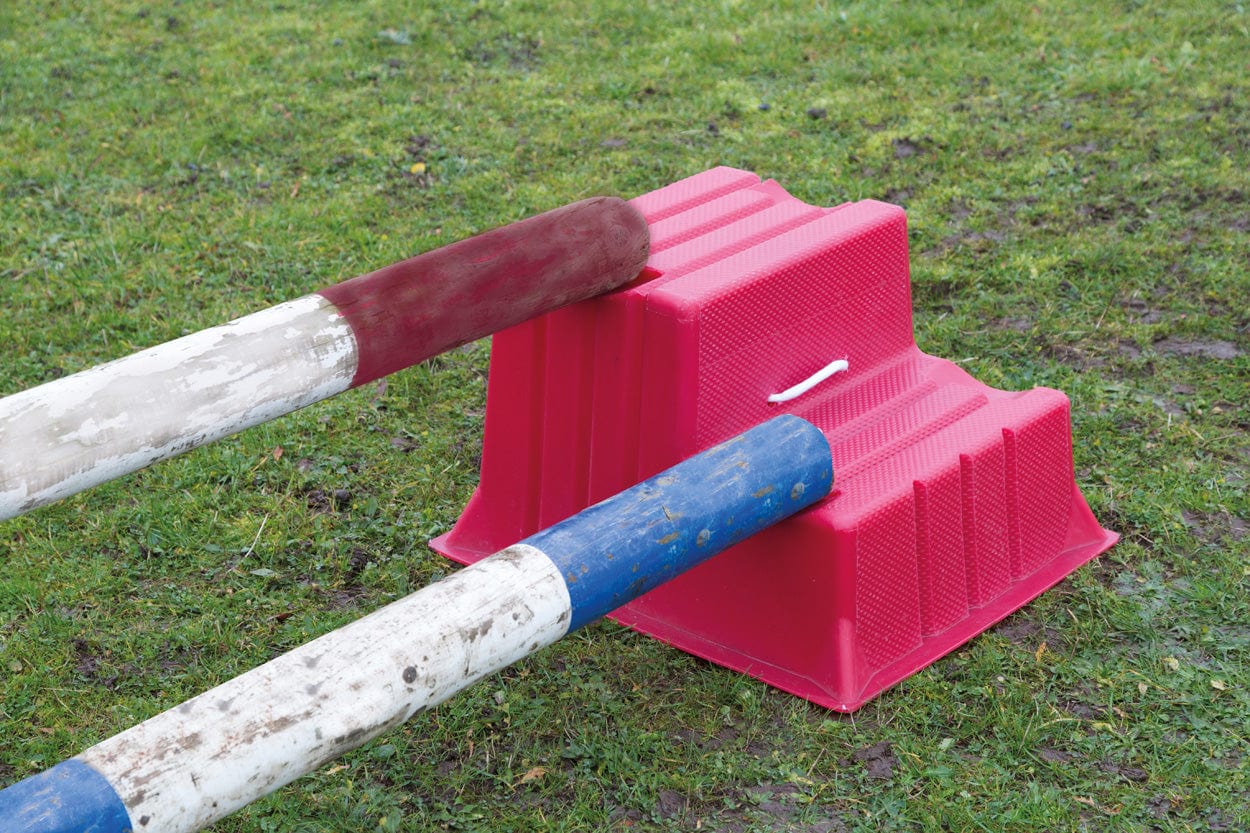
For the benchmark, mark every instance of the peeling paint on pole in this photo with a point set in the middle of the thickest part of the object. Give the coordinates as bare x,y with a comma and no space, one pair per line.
194,764
85,429
200,761
102,423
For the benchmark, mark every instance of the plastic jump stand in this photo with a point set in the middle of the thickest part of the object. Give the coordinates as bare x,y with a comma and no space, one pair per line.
954,504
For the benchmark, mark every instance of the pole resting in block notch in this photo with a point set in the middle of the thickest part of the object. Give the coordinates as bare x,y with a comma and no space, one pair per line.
198,762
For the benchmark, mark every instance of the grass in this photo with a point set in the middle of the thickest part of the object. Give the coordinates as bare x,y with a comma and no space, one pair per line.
1078,192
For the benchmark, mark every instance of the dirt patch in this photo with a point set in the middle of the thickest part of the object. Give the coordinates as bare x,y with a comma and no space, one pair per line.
1083,704
671,804
897,196
1015,325
412,170
906,148
1138,310
1203,348
878,760
724,737
351,591
1216,528
403,443
1017,630
1161,806
977,241
775,799
517,52
624,819
1053,756
323,501
356,564
1217,819
95,669
1069,355
85,662
1029,634
1105,212
779,806
1129,773
1128,349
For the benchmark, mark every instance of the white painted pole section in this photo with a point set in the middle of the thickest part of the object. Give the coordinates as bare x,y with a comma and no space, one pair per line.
184,769
74,433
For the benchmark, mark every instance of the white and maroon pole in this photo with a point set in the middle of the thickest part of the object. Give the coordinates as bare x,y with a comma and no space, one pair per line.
68,435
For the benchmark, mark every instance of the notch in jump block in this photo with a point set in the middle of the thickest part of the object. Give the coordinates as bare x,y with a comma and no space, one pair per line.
954,504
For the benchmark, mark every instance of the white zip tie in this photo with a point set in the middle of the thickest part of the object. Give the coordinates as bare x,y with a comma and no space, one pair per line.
835,366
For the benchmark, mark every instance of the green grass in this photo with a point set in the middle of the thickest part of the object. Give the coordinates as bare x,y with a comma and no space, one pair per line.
1076,177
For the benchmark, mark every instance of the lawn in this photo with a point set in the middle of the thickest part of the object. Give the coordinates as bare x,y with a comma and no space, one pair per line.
1077,181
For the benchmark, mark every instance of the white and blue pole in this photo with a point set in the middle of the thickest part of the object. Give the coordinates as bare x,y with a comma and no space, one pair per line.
185,768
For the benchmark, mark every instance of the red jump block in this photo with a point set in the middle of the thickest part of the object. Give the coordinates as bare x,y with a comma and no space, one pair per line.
954,504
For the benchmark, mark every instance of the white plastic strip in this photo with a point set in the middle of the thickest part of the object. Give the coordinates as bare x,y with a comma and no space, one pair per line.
102,423
812,381
184,769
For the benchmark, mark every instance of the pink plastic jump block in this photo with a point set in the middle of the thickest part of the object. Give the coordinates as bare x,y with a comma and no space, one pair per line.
954,503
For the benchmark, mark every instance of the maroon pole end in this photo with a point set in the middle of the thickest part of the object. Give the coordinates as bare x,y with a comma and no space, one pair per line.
423,306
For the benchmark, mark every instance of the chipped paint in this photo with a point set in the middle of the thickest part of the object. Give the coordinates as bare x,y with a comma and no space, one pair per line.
68,435
183,769
200,761
686,514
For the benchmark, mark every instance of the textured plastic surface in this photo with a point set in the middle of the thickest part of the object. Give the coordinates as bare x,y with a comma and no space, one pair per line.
954,503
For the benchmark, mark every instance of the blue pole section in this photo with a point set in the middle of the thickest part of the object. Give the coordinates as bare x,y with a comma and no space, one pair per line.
184,769
69,798
619,549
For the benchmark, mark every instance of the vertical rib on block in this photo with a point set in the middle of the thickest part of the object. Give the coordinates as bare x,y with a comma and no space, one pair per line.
955,503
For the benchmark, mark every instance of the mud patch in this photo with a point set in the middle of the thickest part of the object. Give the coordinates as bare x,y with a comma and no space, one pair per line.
671,804
1136,309
1054,756
1128,773
1128,349
1029,634
1203,348
1069,355
1015,325
324,501
356,564
351,591
975,241
906,148
878,760
773,806
1216,528
517,52
897,196
96,669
